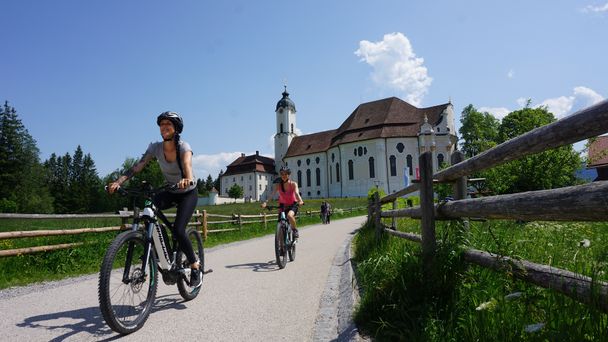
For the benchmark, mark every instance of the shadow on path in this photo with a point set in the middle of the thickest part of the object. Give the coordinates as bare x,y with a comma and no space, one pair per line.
90,321
269,266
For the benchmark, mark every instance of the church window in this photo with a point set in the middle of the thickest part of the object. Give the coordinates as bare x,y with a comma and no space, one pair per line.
409,164
299,162
308,178
438,129
281,128
400,147
318,193
360,150
355,151
393,162
372,170
299,177
333,157
365,150
337,172
351,171
331,175
260,186
440,159
307,161
318,174
317,160
291,128
309,194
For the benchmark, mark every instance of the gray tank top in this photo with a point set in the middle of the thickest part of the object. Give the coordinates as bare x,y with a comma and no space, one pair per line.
170,170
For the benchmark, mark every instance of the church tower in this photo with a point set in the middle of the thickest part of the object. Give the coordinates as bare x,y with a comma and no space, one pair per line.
286,125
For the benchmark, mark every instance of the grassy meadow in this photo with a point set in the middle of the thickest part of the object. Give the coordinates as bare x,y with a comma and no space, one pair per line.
470,303
86,259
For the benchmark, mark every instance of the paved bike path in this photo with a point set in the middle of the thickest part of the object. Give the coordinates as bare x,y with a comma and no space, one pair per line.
245,298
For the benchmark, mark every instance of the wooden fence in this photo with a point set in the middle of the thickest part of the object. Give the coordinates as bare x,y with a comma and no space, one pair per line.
587,202
199,219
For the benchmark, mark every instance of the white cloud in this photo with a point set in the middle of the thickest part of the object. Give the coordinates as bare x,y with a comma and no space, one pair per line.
564,105
522,101
596,9
211,164
395,66
511,73
497,112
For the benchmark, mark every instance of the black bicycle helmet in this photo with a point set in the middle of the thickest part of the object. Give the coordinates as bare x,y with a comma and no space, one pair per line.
177,121
285,169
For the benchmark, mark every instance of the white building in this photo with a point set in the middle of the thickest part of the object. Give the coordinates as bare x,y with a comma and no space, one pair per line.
253,173
377,145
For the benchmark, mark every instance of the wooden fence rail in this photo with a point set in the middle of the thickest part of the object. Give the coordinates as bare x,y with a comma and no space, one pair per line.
586,202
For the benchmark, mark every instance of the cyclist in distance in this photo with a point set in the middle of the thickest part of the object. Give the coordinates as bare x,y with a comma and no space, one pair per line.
289,197
175,159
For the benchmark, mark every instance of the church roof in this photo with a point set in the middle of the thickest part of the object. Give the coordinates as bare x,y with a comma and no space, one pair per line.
598,152
251,163
286,102
386,118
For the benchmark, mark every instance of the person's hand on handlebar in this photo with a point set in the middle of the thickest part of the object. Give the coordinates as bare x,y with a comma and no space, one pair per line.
184,183
112,187
300,202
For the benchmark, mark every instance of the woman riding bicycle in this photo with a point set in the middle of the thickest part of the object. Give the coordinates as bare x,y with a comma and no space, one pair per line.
289,197
175,159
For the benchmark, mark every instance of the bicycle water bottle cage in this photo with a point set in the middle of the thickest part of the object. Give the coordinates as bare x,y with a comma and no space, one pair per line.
282,215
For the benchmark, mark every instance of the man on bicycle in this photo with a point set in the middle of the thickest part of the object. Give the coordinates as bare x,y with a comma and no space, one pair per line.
175,159
289,197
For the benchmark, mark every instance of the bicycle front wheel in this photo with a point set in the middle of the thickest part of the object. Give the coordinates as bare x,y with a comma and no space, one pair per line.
183,283
292,247
280,250
126,290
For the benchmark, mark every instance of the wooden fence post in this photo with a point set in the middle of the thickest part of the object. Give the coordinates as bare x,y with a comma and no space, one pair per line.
205,224
240,223
393,225
377,218
427,206
265,221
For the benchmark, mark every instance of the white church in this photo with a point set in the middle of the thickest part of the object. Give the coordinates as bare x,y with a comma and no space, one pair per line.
376,146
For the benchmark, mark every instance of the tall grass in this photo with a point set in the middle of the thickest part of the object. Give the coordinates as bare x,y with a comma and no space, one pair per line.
469,303
86,259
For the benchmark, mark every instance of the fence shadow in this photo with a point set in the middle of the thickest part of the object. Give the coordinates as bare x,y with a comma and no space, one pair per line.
269,266
89,320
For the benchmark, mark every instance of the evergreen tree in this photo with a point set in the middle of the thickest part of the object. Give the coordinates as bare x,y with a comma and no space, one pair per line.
209,183
216,182
21,177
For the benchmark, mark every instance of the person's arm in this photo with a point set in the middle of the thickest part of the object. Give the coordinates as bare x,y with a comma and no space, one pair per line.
297,191
274,191
136,168
187,165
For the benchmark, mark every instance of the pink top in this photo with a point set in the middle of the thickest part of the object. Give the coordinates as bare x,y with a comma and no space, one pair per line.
289,196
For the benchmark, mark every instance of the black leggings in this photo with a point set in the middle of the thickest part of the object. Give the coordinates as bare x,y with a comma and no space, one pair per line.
185,202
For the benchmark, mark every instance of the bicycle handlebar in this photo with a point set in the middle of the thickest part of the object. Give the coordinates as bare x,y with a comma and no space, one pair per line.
146,190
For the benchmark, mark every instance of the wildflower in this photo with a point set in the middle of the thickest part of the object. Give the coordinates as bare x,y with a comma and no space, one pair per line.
489,305
534,327
513,295
585,243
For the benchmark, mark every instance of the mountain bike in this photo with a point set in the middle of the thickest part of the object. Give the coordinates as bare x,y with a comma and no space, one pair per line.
129,271
284,242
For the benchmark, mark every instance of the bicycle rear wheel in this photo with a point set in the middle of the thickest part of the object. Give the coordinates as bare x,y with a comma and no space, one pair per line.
183,283
280,250
126,292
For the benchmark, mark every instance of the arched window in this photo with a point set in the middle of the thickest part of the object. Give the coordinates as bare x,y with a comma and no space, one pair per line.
333,156
281,127
372,169
299,178
351,171
393,162
400,147
440,160
409,164
318,174
299,162
307,161
331,175
337,172
360,150
317,160
308,178
291,128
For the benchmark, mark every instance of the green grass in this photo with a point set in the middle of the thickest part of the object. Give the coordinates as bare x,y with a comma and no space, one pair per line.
54,265
470,303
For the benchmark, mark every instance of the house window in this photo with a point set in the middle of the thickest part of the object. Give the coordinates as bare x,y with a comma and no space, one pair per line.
337,172
409,164
250,188
400,147
351,171
299,177
372,170
440,160
260,186
318,174
318,193
308,178
393,162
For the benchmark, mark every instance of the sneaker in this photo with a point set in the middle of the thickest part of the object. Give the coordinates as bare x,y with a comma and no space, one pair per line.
296,234
195,278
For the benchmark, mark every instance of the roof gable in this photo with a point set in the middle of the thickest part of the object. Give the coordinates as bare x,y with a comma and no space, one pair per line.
598,152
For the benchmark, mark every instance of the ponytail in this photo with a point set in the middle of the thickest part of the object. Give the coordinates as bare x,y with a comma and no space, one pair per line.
178,153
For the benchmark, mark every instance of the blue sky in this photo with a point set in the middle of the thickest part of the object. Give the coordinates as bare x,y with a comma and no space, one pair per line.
97,73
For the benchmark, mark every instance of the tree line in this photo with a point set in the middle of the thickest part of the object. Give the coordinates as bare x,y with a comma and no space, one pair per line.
61,184
70,183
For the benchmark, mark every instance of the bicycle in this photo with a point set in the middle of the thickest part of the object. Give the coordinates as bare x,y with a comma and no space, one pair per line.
284,242
128,278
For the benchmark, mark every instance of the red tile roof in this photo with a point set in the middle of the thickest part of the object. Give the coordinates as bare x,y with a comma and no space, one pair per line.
386,118
598,152
251,163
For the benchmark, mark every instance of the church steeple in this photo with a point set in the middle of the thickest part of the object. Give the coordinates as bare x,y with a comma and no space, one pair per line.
286,125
